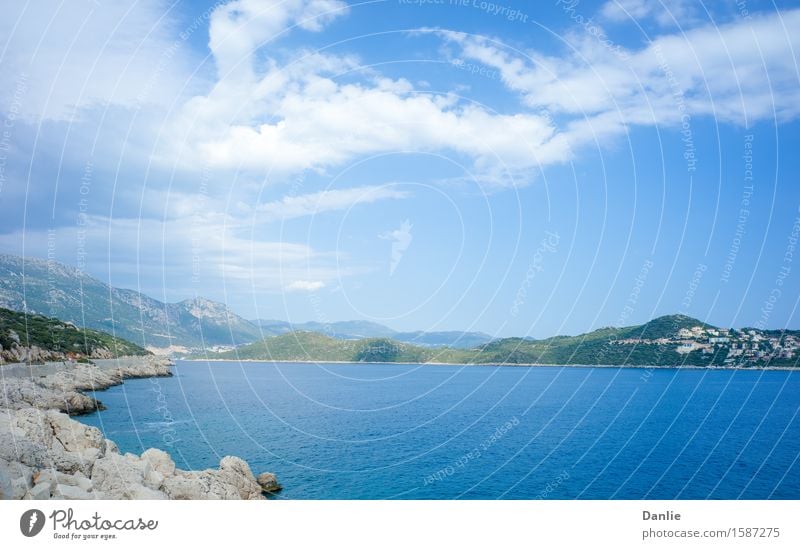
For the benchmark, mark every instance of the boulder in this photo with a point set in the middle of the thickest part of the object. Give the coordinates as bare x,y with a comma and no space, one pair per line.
15,479
6,481
154,480
40,491
123,477
233,480
78,480
45,476
237,472
24,392
71,492
51,440
160,461
268,482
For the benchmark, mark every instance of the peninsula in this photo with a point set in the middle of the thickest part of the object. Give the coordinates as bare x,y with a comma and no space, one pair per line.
44,454
668,341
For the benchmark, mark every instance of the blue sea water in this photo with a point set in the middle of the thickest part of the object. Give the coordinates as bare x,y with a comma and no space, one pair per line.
428,432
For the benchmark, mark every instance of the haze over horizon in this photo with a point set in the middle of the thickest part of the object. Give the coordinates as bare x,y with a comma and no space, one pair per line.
300,323
430,167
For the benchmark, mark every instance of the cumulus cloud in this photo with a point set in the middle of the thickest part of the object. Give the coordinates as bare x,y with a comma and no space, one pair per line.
265,113
287,116
739,72
240,27
317,131
300,115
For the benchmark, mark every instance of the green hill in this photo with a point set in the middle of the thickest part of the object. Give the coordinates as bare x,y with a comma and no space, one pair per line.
674,340
20,332
663,326
604,346
313,346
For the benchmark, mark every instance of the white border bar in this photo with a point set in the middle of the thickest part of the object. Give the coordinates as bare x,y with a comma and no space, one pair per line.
413,524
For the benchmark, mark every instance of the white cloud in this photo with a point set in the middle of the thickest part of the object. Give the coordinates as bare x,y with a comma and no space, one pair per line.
663,12
209,251
742,71
327,201
237,29
319,130
74,55
305,286
270,116
401,239
291,116
299,115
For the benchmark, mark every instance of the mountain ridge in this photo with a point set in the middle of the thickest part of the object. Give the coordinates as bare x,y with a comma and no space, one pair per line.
362,329
53,289
60,291
56,290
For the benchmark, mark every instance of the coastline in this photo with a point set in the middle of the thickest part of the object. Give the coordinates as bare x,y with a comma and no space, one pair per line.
521,364
45,454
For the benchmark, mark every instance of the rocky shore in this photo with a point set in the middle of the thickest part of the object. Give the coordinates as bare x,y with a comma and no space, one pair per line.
44,454
28,354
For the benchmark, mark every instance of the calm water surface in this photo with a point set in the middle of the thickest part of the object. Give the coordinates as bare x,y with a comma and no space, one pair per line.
414,431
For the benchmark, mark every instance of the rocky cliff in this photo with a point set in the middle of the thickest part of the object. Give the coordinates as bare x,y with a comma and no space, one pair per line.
44,454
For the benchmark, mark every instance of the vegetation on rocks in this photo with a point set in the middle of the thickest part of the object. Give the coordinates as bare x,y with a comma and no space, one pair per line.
28,337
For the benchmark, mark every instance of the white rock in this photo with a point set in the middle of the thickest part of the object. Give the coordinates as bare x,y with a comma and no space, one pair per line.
45,476
153,480
74,461
160,461
71,492
84,482
15,479
233,480
6,483
112,447
77,480
40,491
268,482
122,477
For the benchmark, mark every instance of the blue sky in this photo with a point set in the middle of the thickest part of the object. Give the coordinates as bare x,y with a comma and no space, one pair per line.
494,166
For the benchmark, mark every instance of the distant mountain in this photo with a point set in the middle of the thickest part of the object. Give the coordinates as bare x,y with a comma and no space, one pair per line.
456,340
55,290
29,337
675,340
360,329
346,329
269,327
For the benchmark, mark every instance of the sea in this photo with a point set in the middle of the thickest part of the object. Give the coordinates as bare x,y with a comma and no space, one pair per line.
419,431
